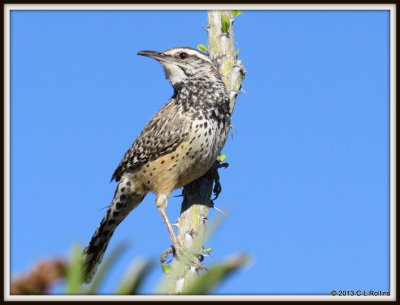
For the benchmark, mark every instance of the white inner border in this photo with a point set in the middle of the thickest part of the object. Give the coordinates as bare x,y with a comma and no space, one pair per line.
7,11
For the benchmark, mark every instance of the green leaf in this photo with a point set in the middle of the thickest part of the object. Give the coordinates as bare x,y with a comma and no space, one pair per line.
236,13
208,250
221,158
74,271
105,267
165,268
215,275
225,23
202,47
134,278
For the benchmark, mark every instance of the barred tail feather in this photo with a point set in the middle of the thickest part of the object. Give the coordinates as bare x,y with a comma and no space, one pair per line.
125,200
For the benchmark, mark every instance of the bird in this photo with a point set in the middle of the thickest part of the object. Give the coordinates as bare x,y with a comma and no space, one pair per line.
178,145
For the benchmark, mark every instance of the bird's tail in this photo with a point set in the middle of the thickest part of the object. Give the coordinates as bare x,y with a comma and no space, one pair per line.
125,200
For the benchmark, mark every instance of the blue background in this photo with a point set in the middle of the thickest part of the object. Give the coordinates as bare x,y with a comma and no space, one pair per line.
307,190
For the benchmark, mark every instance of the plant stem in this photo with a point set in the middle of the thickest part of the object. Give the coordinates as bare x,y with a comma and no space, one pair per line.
197,194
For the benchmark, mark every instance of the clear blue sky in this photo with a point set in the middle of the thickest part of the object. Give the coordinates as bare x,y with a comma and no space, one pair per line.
307,189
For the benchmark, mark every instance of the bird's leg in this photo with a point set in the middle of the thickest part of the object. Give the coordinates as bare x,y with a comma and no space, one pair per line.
162,202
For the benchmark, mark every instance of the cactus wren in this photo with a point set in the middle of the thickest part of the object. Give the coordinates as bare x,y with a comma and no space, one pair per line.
178,145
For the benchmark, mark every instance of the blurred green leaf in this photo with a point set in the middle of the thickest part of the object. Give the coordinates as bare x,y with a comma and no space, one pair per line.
236,13
105,267
225,23
221,158
208,250
134,278
215,275
202,47
165,268
74,271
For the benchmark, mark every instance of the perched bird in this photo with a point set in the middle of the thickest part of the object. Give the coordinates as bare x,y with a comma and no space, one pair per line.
178,145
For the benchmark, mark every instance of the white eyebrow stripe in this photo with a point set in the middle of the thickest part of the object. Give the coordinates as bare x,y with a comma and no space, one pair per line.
190,51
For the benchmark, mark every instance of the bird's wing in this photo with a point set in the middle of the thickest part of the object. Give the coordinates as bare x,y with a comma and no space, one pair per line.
162,134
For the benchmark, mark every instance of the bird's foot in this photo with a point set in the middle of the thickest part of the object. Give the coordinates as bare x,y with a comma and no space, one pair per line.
176,250
215,176
164,255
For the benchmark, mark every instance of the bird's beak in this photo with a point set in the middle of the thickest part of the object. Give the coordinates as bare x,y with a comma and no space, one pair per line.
153,54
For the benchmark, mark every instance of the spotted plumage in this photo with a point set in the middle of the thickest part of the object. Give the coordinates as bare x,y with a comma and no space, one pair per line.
178,145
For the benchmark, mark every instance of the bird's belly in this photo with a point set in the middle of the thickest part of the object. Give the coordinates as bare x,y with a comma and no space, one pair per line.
189,161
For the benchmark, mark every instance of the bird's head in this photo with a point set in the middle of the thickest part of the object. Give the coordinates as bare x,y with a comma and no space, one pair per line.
183,64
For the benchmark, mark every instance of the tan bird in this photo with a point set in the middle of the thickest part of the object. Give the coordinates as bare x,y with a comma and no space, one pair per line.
178,145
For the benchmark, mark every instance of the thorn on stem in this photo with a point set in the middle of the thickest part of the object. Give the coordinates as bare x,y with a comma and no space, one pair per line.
219,210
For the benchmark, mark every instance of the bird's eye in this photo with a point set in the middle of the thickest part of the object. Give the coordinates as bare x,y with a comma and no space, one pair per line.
183,55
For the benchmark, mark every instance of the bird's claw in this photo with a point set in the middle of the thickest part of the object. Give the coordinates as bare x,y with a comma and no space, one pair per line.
215,176
164,255
176,249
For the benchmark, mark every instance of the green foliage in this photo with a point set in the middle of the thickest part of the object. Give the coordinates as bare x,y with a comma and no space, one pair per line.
236,13
134,278
202,47
208,250
74,271
105,267
215,275
225,23
165,268
221,158
138,272
130,284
